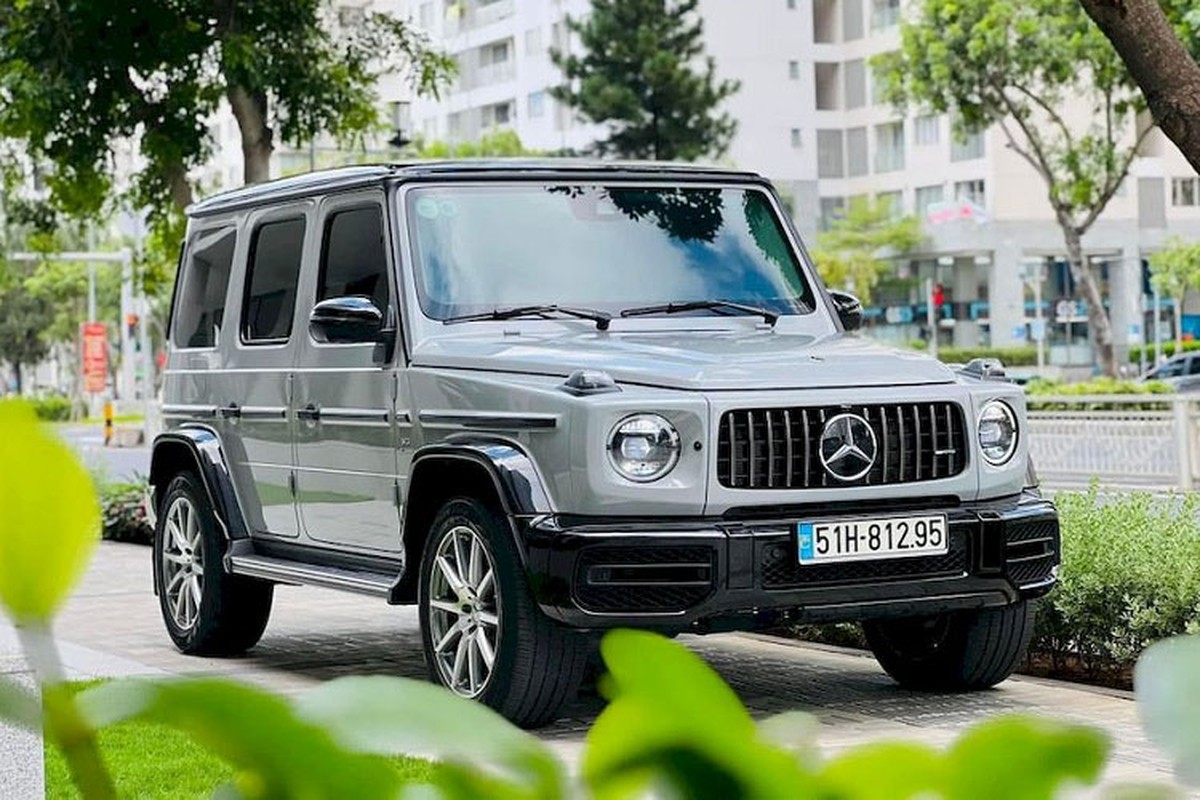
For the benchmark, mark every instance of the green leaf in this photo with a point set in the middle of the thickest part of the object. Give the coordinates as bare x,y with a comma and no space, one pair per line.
885,771
673,721
387,715
49,517
980,765
1167,685
18,706
278,753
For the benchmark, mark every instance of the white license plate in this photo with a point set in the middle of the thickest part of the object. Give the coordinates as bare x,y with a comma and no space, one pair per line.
823,541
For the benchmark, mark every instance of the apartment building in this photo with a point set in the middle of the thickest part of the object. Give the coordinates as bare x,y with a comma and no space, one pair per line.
810,117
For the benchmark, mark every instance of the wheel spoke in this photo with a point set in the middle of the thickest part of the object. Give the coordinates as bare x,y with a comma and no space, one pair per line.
473,662
175,581
459,662
485,585
451,575
460,559
489,619
181,608
474,572
486,651
198,567
175,558
444,642
194,589
445,605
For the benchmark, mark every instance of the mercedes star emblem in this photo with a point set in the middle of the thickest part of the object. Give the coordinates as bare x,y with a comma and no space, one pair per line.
848,447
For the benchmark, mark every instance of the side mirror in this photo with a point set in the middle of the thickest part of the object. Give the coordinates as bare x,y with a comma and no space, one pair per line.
345,320
849,309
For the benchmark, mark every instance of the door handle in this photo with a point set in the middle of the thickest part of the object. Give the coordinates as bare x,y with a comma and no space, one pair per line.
310,413
231,411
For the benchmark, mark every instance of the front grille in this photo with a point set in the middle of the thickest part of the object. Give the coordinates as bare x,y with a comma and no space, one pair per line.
781,568
779,448
643,579
1031,550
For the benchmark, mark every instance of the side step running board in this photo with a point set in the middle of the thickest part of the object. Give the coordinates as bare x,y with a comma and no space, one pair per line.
282,570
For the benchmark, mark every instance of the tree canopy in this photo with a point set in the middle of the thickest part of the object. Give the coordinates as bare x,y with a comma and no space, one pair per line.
1174,271
1017,64
643,73
78,75
853,253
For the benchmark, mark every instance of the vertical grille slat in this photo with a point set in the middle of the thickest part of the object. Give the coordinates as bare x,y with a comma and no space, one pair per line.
779,448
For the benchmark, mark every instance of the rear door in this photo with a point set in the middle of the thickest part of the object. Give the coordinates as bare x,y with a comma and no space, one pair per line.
255,400
345,394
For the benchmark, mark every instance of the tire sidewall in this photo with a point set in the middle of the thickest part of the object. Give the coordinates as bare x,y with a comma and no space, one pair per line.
512,592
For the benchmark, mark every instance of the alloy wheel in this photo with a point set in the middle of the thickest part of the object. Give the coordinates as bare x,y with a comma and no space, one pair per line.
183,563
464,611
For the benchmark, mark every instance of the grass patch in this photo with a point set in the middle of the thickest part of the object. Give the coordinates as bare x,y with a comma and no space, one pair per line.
150,761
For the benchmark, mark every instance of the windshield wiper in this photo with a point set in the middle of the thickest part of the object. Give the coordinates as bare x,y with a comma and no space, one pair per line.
601,318
697,305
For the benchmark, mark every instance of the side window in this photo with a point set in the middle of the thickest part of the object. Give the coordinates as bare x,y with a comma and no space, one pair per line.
200,304
274,271
1193,366
1171,369
353,257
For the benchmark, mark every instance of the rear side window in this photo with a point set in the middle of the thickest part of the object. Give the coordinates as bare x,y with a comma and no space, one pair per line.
275,254
200,304
353,258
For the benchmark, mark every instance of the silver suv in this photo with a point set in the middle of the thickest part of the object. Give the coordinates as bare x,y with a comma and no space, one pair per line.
543,399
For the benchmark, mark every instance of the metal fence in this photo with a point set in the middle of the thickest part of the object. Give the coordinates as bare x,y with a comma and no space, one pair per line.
1134,441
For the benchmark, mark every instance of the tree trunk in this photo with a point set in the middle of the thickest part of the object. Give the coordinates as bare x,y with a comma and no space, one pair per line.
17,377
250,111
1159,63
1099,325
181,190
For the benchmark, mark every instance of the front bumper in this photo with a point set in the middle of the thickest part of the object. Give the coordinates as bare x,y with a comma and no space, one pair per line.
726,574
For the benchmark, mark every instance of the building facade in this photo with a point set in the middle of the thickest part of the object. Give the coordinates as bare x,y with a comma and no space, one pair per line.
810,117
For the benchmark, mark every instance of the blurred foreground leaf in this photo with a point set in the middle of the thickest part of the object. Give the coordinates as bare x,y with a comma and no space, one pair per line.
277,753
1167,684
49,517
674,724
484,754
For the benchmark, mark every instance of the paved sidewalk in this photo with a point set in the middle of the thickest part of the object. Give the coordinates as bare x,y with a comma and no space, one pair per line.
112,627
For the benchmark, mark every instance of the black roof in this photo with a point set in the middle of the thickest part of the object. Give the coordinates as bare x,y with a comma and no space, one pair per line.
345,178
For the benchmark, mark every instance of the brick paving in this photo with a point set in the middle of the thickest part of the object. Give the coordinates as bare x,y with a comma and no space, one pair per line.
111,627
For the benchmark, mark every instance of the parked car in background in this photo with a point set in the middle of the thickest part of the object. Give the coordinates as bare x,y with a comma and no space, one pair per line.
1181,371
543,399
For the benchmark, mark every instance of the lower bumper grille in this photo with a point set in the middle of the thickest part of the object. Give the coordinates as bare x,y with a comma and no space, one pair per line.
1030,552
644,579
781,568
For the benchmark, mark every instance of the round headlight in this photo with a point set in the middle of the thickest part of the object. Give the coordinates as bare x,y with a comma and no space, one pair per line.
643,447
997,433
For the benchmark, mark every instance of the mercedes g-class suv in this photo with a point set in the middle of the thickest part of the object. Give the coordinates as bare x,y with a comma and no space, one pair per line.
543,399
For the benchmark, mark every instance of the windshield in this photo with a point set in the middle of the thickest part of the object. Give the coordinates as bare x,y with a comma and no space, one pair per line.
609,248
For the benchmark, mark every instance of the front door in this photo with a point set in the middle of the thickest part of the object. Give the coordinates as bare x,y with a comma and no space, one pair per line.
345,394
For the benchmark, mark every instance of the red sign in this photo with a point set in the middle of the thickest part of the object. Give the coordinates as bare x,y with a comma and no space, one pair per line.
95,356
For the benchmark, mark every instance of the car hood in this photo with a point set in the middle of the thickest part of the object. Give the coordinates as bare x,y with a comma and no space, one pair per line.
692,359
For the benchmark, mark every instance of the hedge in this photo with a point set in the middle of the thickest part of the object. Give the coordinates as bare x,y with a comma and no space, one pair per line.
1096,386
123,509
1167,349
52,408
1009,356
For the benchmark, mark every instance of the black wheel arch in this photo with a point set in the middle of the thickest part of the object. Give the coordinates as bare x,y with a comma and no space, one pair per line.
197,448
496,471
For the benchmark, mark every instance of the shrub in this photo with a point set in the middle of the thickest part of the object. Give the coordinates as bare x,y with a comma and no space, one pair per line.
1167,349
1130,576
1009,356
52,408
123,508
1096,386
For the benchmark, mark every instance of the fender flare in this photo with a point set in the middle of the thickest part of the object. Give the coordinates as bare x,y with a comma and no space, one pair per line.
518,484
198,446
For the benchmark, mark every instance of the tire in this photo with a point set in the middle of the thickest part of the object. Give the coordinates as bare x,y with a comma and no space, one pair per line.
953,652
233,610
537,665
